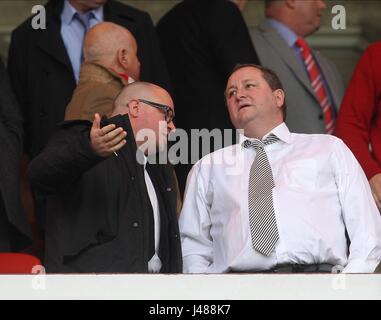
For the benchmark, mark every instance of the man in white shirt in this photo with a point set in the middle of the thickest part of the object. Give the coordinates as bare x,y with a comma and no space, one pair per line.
317,193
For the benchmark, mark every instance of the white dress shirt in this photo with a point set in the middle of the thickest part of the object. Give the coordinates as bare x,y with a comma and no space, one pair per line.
320,190
154,265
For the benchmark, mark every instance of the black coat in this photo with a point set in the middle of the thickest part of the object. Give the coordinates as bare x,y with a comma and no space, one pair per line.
41,72
99,217
202,41
13,219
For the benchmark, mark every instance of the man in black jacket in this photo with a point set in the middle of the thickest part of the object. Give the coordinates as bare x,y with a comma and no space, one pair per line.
108,210
43,64
15,232
202,41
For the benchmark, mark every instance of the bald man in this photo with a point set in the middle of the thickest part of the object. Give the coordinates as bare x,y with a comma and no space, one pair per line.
109,209
111,62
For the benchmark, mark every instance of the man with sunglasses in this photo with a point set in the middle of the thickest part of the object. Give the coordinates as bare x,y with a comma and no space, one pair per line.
109,208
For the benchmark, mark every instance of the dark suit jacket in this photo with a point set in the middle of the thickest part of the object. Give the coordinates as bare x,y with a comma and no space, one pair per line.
11,211
99,216
202,41
41,73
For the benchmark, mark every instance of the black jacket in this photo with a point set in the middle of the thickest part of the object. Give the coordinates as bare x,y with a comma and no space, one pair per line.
13,219
41,72
202,41
99,217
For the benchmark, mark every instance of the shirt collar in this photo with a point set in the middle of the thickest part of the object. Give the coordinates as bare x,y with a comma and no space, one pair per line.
281,131
141,158
69,11
287,34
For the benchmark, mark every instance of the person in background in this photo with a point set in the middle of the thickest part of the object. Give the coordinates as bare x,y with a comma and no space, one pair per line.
313,85
110,63
359,120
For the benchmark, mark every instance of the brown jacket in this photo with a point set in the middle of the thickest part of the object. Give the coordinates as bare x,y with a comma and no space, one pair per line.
96,91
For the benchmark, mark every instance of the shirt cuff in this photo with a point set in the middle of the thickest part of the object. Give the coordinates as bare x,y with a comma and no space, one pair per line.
361,266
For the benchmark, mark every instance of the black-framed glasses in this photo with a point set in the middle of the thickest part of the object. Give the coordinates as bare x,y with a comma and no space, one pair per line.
169,113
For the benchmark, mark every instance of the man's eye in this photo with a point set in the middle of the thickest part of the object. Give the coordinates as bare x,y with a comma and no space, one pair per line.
250,85
232,93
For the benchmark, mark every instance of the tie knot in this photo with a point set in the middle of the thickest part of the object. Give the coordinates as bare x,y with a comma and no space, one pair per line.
302,44
256,144
84,18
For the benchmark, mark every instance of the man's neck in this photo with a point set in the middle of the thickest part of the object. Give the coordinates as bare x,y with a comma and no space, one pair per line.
258,132
288,22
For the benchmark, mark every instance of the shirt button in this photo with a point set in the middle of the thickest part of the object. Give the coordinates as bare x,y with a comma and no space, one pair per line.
132,178
42,113
135,224
320,117
169,189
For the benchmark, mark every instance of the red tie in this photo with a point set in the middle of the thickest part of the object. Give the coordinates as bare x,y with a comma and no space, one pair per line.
317,84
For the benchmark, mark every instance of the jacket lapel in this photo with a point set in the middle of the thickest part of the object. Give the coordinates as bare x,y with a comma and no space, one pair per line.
50,40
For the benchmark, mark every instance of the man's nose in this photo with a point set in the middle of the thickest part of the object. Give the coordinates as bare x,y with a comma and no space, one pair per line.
171,126
241,93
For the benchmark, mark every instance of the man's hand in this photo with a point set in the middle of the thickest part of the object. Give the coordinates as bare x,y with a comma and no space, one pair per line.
107,140
375,185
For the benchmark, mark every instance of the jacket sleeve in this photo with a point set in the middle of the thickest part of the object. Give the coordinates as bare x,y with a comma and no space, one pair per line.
10,114
358,110
65,159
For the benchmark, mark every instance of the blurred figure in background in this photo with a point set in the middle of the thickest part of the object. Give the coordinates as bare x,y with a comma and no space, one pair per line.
110,64
312,83
202,41
359,121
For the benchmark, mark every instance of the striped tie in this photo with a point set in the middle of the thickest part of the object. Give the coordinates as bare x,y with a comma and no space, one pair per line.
317,84
263,227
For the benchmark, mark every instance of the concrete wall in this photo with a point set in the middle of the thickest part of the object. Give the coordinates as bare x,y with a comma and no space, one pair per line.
343,46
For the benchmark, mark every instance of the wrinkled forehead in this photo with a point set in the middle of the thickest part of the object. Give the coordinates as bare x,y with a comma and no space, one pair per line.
243,75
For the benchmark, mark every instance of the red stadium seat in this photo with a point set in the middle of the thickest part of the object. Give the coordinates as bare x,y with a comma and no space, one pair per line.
18,263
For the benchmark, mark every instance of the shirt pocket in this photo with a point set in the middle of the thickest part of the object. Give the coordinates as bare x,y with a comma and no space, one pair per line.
301,175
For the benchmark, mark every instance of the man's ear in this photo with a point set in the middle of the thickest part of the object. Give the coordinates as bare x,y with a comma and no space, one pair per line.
123,58
279,97
134,108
